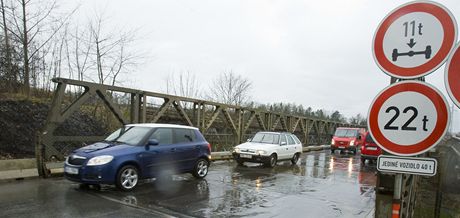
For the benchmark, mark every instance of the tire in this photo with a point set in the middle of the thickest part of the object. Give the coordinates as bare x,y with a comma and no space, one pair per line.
295,158
83,186
428,52
332,151
201,168
127,178
363,160
240,162
272,161
394,55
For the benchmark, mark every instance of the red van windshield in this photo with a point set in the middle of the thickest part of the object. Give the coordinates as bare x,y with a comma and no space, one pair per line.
346,133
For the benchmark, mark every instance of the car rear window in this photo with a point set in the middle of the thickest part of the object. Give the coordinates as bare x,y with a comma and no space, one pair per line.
297,141
184,135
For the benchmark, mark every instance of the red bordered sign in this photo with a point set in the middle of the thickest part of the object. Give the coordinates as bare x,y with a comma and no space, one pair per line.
408,118
414,39
452,76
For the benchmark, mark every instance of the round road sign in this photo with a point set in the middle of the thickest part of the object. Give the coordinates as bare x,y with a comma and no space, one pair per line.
414,39
452,76
408,118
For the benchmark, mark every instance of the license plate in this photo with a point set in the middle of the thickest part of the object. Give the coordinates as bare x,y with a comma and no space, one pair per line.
341,146
245,156
71,170
371,148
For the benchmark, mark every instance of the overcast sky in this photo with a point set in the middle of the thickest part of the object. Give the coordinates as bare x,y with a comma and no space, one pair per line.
314,53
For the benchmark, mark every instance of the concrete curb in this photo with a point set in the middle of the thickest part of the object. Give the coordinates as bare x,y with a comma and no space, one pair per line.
19,169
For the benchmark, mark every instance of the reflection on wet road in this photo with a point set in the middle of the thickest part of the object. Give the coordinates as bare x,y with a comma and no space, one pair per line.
320,185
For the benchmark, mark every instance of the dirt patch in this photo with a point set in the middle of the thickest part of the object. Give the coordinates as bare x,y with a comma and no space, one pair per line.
20,120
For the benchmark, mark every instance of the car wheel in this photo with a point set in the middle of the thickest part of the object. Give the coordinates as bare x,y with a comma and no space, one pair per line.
363,160
127,178
201,169
272,161
83,186
295,158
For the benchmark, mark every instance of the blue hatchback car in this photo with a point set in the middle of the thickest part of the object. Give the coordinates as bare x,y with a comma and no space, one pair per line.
140,151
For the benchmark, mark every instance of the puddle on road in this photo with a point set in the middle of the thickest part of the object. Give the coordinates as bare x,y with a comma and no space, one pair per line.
322,184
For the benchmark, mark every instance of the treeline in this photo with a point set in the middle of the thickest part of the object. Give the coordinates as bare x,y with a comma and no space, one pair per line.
299,110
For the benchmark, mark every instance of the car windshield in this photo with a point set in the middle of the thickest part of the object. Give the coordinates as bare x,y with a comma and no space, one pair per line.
269,138
130,135
114,135
346,133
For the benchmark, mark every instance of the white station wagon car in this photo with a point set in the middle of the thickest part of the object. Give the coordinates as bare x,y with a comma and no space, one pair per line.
268,148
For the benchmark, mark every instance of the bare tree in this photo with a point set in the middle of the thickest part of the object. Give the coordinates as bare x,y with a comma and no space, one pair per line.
184,84
358,120
9,75
34,26
111,51
230,88
81,52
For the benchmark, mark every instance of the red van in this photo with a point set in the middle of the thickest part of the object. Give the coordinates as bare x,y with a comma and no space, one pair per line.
347,139
369,150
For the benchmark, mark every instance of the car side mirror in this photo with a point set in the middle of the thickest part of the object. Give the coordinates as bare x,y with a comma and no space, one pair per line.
283,143
153,142
359,137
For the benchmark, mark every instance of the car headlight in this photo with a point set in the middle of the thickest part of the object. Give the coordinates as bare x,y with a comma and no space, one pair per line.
332,142
99,160
260,152
236,150
352,142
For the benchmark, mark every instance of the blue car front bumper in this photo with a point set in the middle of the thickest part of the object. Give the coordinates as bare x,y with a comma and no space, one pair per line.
103,174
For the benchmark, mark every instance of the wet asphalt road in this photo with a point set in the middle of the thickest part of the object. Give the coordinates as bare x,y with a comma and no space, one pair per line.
320,185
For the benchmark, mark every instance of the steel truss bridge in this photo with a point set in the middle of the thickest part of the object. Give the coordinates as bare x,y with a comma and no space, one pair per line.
223,125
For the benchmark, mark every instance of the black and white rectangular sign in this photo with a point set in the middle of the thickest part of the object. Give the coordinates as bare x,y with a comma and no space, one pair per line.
409,165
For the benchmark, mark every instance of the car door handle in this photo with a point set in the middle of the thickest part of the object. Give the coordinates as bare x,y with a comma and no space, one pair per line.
197,147
173,149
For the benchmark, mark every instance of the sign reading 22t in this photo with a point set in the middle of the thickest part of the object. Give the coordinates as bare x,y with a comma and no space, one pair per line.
408,118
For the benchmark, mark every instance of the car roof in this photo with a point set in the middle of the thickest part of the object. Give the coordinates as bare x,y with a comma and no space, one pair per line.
274,132
158,125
